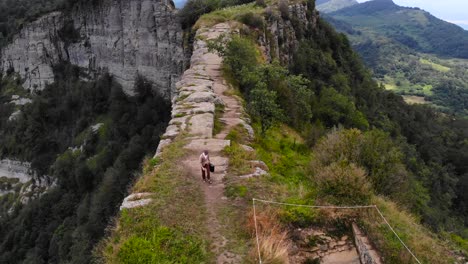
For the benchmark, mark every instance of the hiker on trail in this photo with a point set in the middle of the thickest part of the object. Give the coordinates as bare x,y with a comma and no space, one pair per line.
205,166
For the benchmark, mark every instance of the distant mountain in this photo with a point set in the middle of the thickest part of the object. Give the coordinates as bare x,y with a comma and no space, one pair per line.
410,51
413,27
328,6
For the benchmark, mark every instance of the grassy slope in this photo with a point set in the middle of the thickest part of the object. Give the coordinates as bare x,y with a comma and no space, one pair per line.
334,5
288,158
171,227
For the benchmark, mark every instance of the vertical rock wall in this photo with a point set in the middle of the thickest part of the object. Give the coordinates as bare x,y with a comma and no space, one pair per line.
282,35
127,38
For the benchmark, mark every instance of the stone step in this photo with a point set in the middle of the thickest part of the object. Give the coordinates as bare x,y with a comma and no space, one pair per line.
212,145
202,125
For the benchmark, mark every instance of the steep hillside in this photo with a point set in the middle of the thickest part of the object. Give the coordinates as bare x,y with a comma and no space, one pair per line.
84,141
77,117
394,50
329,6
412,27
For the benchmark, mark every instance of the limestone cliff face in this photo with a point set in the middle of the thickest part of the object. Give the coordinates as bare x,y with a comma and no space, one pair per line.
280,38
125,37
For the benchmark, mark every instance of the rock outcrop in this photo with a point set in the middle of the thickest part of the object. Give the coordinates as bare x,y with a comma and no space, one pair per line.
16,169
282,34
127,38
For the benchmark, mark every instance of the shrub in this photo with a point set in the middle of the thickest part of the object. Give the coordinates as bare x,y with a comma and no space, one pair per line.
343,183
263,105
296,215
373,151
194,9
252,20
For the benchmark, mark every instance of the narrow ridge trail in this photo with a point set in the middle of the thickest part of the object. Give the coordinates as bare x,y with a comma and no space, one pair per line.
208,65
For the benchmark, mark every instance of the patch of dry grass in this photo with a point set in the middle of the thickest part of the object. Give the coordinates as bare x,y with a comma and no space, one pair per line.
273,239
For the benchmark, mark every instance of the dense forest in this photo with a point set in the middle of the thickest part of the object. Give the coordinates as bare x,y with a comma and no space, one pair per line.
90,137
328,86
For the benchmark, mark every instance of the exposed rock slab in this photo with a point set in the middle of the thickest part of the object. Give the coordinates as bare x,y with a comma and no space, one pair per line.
258,172
16,169
202,125
136,200
212,145
162,144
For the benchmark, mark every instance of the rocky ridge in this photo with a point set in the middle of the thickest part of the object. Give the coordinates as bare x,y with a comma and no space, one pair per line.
200,89
126,38
280,39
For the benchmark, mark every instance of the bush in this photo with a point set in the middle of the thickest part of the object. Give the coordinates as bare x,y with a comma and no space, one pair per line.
252,20
296,215
263,105
344,183
194,9
373,151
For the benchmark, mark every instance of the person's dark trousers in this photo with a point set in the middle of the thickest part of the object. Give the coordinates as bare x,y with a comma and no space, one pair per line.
207,171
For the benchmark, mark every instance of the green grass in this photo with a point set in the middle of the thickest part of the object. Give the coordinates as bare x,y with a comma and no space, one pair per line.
227,14
435,66
171,229
159,244
218,124
238,159
285,152
460,242
427,247
289,159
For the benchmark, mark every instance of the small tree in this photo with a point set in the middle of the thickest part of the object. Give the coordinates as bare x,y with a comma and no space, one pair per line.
263,106
300,107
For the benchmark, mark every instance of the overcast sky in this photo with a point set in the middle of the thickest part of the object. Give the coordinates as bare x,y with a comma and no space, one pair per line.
455,11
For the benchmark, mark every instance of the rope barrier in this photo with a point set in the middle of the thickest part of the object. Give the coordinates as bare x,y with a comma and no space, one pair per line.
256,232
318,206
327,207
391,228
